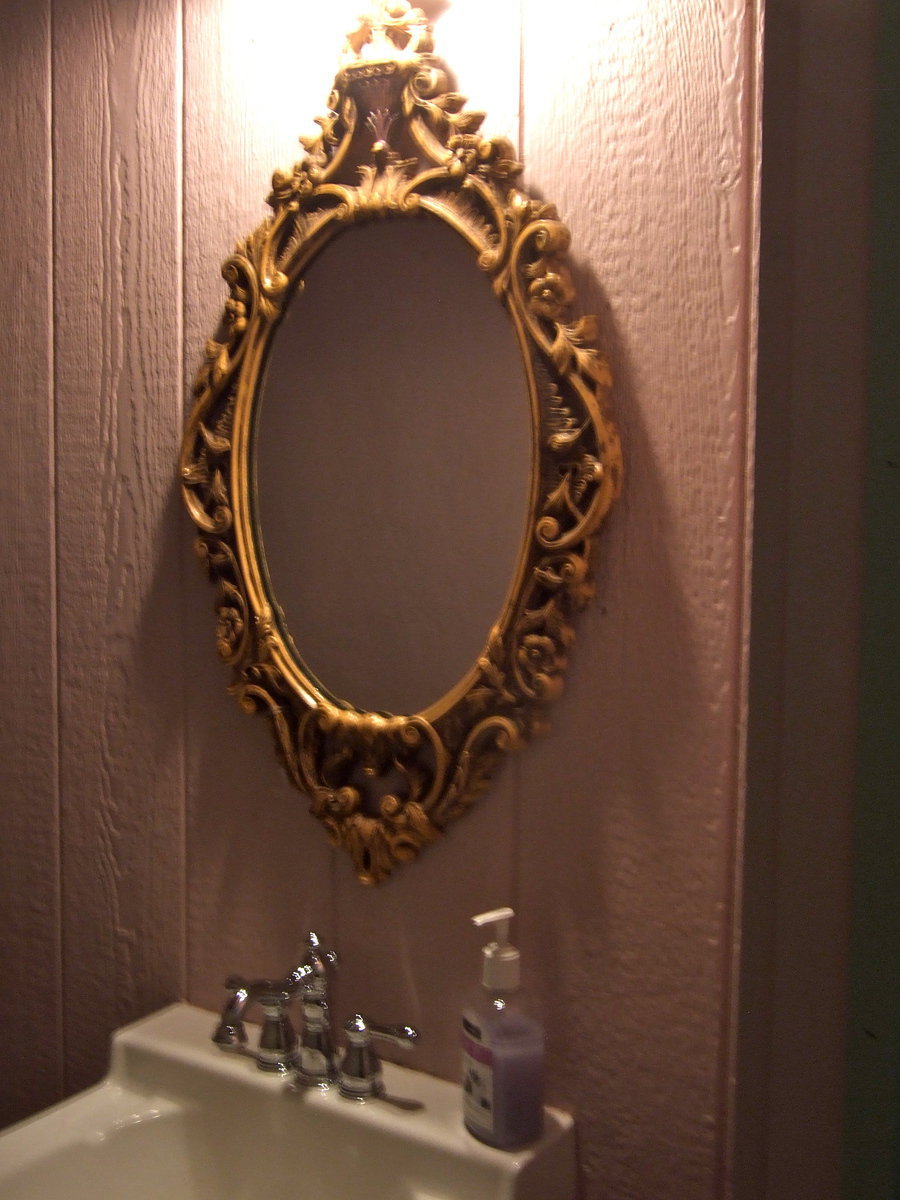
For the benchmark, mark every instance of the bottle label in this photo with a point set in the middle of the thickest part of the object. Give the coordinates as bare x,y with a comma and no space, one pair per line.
478,1080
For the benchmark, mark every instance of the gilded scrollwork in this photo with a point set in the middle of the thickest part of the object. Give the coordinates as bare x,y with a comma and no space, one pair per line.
396,142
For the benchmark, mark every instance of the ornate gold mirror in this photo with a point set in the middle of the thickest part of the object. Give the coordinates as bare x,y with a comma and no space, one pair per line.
399,454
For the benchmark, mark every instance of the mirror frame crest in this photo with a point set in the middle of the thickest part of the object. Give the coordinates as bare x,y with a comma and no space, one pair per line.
397,143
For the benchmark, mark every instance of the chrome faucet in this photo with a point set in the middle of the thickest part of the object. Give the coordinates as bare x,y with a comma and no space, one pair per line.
311,1058
278,1047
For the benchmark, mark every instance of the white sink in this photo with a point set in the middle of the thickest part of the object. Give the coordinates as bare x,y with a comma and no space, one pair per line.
178,1119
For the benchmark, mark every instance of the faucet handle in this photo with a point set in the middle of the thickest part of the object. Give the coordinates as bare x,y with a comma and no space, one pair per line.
404,1036
230,1033
311,975
360,1071
277,1040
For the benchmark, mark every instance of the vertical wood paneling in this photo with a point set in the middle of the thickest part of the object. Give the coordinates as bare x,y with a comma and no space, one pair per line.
256,76
411,952
29,858
632,801
642,142
117,300
613,836
262,867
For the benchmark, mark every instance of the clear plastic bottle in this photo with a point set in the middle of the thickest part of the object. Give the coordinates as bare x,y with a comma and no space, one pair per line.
503,1049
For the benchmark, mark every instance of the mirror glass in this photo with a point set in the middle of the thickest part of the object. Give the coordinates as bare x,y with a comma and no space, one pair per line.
392,465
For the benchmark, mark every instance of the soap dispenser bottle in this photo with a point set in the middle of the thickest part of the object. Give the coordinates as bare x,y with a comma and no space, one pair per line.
503,1049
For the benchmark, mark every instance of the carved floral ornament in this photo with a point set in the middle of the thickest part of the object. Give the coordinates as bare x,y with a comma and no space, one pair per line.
396,143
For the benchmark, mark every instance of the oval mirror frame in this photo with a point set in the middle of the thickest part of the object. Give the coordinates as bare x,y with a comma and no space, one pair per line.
397,143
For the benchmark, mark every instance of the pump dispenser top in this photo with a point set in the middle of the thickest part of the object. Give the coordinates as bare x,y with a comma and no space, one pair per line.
500,960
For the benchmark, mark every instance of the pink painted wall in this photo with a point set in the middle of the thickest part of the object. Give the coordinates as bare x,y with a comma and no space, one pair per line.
151,845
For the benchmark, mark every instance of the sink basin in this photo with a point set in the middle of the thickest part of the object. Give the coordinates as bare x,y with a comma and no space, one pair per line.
177,1119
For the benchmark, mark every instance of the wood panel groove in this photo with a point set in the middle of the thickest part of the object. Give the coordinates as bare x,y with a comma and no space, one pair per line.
29,851
117,201
749,132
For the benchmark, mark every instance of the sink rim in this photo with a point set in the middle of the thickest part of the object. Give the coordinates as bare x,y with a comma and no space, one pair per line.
166,1063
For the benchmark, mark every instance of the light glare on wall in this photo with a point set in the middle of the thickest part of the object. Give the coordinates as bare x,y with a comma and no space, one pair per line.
279,59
